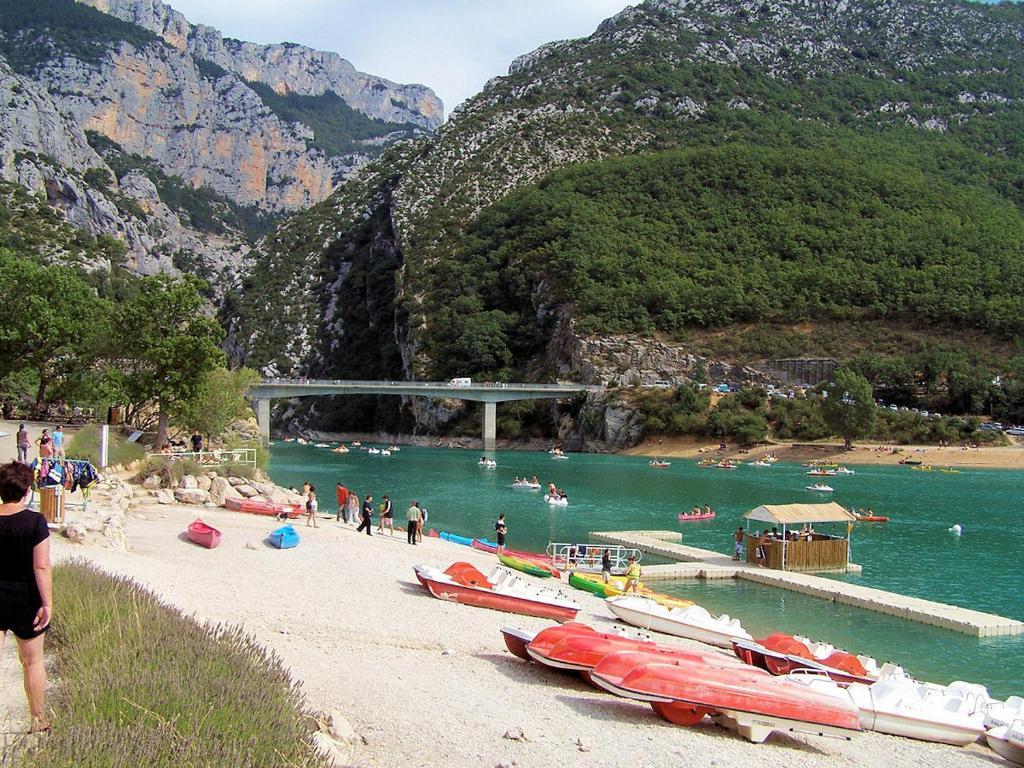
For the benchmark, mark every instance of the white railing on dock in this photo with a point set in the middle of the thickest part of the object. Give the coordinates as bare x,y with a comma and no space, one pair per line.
587,557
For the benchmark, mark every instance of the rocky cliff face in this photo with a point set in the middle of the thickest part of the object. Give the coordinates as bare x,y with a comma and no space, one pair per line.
286,67
192,152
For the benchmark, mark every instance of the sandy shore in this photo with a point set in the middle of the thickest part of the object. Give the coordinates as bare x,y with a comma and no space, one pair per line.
1002,457
429,683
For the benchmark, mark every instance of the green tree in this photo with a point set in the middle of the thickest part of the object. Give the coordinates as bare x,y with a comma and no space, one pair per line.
218,400
51,320
163,345
850,410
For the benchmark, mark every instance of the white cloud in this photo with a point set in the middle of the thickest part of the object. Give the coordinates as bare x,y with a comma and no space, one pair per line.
452,46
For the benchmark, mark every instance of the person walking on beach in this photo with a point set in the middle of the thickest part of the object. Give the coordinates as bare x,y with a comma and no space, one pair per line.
26,593
58,442
387,515
413,517
24,443
738,540
606,566
351,508
311,507
632,575
45,443
342,500
500,529
367,515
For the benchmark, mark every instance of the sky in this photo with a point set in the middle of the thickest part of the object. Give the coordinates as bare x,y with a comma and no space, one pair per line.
452,46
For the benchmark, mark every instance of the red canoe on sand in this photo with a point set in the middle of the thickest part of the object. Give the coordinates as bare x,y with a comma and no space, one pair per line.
756,705
202,534
268,508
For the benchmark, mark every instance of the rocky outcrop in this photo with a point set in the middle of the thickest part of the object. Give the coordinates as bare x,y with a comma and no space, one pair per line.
285,67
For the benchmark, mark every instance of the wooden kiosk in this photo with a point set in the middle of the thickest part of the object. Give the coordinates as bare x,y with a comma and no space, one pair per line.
797,545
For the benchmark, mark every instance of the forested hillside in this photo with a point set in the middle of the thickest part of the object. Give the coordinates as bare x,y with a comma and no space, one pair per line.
704,172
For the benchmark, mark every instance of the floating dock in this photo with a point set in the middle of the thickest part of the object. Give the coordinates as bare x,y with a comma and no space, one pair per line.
695,563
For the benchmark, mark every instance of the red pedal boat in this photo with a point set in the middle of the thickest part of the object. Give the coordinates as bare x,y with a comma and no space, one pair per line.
202,534
501,591
781,654
752,703
268,508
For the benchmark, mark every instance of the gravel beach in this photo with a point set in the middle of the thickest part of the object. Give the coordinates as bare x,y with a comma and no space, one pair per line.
430,683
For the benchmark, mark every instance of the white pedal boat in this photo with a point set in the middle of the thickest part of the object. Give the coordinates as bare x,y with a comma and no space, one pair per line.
693,622
1004,712
558,501
531,486
1008,741
904,707
820,488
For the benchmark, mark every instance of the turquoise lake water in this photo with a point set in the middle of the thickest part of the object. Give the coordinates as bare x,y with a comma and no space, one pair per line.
913,554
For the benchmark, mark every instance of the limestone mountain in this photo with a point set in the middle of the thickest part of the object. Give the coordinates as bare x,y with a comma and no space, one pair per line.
180,143
691,166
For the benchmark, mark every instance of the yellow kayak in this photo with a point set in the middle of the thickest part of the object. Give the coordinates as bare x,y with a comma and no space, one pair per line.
594,583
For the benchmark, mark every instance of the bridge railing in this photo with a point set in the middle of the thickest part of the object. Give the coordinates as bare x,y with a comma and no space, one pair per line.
431,384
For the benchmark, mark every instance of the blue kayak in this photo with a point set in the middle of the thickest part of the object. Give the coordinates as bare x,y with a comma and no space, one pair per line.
456,539
284,537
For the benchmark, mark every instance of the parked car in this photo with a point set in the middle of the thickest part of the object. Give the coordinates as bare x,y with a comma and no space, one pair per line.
1016,431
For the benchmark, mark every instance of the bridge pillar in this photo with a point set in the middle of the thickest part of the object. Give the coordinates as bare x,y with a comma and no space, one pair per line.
490,425
263,419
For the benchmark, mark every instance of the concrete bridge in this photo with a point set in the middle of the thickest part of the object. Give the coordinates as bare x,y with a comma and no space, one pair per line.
488,393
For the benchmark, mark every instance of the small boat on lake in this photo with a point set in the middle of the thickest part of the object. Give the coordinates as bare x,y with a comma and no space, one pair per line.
284,537
760,463
502,590
693,622
687,517
844,471
526,484
871,518
341,449
558,501
202,534
820,488
487,463
823,472
658,464
727,464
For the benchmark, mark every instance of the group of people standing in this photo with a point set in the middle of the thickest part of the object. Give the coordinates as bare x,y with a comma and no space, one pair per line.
349,509
51,445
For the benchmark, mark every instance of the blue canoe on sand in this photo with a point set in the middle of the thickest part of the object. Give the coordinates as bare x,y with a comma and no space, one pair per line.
456,539
284,537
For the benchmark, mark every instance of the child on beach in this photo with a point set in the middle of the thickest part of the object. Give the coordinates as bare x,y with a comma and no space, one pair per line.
311,507
606,566
633,576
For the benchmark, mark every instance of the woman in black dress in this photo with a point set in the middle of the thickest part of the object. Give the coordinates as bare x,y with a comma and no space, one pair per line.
26,596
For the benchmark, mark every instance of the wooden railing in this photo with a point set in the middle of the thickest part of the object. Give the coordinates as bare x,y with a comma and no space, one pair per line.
821,554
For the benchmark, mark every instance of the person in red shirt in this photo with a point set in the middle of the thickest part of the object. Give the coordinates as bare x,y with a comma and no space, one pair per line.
342,498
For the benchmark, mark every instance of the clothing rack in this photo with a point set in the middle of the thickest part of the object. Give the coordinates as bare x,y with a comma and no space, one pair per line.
84,503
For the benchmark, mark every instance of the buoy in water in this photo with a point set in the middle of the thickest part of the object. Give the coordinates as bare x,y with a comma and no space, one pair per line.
956,530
